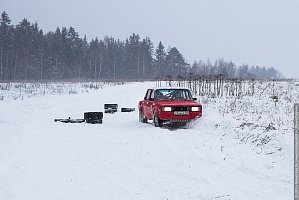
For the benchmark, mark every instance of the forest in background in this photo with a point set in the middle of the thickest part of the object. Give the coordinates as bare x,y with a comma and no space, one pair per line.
27,53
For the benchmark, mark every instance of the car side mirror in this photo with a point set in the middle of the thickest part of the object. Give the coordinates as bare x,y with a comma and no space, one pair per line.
194,99
144,98
151,99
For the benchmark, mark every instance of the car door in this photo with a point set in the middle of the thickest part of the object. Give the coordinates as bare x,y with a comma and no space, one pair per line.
151,105
148,102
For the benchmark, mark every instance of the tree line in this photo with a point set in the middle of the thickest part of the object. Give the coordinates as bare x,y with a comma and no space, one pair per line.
27,53
231,71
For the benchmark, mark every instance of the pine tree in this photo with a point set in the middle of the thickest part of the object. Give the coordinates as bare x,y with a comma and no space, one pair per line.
6,38
160,61
133,56
176,62
146,52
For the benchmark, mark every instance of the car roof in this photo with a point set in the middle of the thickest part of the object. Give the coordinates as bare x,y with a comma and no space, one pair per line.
169,88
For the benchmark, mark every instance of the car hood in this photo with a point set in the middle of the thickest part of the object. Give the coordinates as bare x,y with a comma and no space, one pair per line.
177,103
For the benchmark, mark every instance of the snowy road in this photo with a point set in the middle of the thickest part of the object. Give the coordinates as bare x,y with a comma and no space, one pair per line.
125,159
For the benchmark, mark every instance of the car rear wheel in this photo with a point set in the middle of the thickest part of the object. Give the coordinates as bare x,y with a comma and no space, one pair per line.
157,121
142,117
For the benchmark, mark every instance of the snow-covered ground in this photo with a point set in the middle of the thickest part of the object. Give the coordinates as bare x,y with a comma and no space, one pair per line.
242,148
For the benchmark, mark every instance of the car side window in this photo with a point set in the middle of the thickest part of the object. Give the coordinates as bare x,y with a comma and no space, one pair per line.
152,95
148,94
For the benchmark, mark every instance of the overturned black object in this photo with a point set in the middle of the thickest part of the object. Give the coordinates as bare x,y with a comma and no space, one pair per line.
69,120
127,109
110,108
93,117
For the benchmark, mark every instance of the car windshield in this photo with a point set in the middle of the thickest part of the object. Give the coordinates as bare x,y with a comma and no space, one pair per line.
173,94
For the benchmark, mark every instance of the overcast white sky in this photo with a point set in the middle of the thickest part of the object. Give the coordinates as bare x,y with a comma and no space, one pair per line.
255,32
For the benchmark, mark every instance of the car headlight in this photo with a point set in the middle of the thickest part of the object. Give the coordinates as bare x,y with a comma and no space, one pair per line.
195,109
166,109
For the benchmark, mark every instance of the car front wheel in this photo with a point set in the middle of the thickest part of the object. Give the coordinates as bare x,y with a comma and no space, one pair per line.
157,121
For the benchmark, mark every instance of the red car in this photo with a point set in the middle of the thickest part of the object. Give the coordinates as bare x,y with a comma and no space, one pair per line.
169,105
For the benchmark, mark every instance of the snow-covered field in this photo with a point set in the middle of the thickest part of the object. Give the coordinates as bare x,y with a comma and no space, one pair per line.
242,148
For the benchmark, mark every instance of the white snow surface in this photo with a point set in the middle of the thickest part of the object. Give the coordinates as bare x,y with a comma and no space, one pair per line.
217,157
